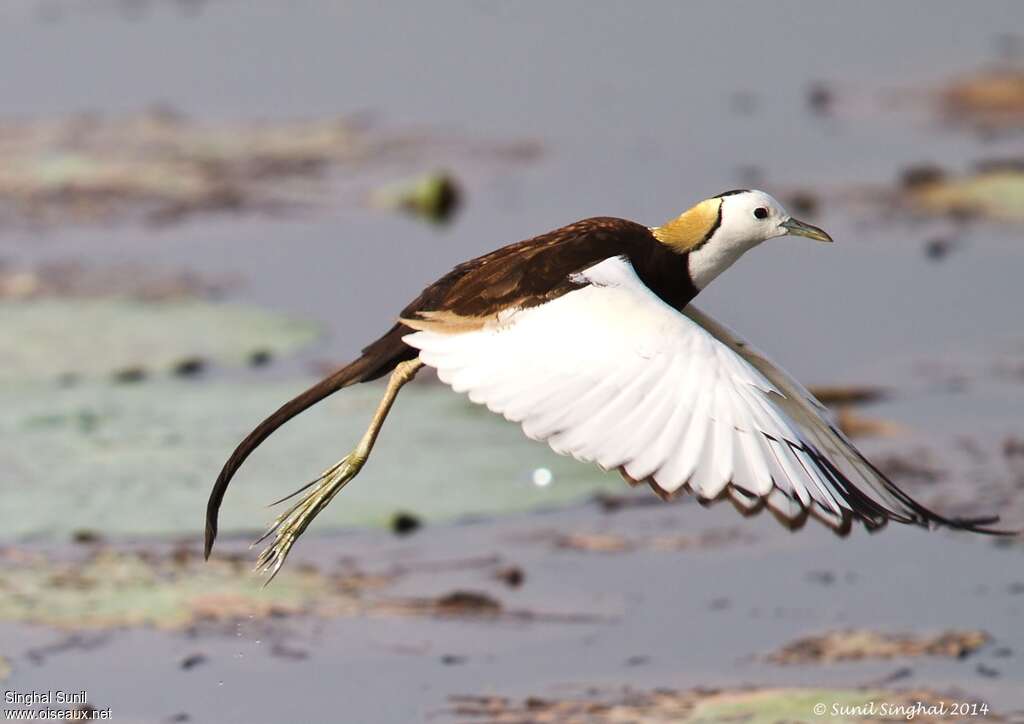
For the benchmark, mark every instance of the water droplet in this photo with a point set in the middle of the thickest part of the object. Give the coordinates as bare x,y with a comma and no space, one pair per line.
220,683
542,477
258,642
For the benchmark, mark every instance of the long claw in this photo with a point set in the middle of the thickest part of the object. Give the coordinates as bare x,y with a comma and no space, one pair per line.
292,523
318,494
307,486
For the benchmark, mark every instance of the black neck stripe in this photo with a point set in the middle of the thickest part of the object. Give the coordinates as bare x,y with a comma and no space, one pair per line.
713,229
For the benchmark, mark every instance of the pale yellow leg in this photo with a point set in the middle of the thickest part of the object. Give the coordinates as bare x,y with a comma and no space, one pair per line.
294,521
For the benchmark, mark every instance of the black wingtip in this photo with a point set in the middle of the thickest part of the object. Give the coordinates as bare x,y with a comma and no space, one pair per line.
980,525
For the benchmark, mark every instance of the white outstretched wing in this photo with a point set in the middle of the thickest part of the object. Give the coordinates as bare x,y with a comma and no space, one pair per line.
611,374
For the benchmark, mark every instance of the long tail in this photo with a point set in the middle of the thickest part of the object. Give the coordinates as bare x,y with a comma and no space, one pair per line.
377,360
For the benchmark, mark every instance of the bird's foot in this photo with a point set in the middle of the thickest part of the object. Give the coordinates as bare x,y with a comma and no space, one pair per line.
292,523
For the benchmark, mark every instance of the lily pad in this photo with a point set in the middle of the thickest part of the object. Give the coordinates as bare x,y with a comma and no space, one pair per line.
112,589
48,339
995,191
140,459
175,589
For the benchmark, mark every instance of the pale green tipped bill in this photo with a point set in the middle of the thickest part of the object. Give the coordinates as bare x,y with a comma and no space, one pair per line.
795,227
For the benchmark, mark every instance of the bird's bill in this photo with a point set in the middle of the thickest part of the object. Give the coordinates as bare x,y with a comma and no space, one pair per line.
795,227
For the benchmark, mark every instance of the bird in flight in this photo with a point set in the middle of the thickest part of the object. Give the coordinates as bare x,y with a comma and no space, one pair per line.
586,337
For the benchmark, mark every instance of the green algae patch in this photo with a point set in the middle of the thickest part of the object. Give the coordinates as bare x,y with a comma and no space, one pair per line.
137,460
108,589
770,706
712,706
50,339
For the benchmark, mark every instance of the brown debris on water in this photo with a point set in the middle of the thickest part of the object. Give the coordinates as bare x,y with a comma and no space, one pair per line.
939,247
843,399
990,100
859,645
704,706
615,502
475,605
805,204
854,424
511,576
75,280
467,603
835,395
921,176
588,542
193,660
594,542
992,190
820,98
161,167
404,523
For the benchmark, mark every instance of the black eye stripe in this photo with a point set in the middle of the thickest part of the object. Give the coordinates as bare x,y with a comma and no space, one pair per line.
760,213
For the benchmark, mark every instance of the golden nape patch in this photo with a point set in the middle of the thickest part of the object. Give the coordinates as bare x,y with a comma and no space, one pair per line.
445,322
691,227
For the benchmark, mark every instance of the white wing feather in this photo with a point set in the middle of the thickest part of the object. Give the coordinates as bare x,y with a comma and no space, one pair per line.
610,374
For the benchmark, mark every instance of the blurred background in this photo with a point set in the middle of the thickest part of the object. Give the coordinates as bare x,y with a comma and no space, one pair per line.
206,204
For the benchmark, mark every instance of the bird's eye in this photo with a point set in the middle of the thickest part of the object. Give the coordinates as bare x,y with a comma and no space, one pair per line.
760,213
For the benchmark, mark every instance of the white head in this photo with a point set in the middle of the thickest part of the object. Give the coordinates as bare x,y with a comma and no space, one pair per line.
717,231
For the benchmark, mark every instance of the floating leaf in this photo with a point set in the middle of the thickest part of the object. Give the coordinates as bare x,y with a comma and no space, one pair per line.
176,589
141,459
111,589
48,339
995,192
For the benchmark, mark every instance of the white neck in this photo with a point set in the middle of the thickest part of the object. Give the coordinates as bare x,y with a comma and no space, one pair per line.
711,259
